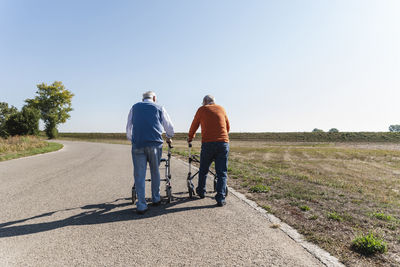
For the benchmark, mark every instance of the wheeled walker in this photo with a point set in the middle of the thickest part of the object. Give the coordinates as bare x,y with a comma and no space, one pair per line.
190,185
167,178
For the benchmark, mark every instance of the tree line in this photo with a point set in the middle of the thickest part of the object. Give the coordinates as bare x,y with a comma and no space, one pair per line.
52,104
392,128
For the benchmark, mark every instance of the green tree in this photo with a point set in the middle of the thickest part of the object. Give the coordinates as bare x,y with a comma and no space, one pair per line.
24,122
5,113
394,128
333,130
54,103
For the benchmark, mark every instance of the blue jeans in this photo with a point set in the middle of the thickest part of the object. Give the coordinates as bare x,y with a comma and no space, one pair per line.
218,152
140,157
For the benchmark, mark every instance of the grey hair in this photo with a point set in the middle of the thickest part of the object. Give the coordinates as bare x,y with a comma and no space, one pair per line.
208,99
149,94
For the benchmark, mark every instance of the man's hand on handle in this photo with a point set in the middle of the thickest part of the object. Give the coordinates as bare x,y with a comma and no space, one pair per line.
169,142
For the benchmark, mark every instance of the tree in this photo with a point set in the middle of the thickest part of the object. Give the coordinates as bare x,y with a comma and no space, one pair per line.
54,103
24,122
333,130
394,128
316,130
5,113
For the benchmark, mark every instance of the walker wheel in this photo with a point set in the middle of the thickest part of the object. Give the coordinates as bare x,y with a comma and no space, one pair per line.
169,194
133,195
190,189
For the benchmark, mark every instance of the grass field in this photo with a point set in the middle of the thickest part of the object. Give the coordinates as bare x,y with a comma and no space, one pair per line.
331,192
376,137
22,146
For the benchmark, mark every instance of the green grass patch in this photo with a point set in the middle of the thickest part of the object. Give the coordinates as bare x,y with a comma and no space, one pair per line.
259,188
47,147
304,208
382,216
334,216
369,244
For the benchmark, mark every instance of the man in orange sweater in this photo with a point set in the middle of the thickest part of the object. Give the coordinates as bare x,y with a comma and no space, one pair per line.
215,145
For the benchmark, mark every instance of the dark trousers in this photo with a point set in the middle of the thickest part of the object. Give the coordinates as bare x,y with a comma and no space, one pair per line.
217,152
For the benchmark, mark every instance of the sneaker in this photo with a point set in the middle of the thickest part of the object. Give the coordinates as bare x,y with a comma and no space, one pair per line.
221,203
141,212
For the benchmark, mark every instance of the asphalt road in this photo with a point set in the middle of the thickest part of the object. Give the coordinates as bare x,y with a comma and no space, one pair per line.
73,208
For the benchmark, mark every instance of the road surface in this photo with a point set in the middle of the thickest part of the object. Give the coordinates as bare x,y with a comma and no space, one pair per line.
72,207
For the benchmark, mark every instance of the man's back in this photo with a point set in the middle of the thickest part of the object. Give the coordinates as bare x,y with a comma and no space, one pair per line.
147,127
214,124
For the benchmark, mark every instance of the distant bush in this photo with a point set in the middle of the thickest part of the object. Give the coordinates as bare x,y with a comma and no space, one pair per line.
333,130
316,130
369,244
394,128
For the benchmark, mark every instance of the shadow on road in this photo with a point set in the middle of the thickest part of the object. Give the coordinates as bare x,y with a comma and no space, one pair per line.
95,214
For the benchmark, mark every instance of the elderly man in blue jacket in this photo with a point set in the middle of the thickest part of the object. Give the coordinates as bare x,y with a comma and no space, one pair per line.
146,121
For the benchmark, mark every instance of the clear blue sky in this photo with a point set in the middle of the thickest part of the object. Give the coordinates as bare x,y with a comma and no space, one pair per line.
290,65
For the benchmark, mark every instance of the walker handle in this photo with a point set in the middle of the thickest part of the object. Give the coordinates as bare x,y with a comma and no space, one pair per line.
169,145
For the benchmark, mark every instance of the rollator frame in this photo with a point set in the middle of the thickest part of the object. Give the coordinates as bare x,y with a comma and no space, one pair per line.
167,179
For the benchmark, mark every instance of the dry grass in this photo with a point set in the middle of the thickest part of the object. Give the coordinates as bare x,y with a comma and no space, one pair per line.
20,143
20,146
343,186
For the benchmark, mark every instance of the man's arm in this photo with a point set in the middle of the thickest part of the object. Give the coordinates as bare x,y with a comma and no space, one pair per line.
167,124
195,125
227,123
129,125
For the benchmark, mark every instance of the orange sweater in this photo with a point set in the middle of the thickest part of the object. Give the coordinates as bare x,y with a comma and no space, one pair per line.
214,124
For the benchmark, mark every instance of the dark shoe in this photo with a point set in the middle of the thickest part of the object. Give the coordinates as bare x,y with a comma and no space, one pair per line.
156,204
221,203
141,212
200,195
